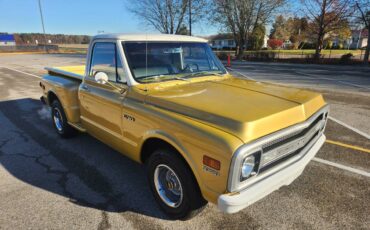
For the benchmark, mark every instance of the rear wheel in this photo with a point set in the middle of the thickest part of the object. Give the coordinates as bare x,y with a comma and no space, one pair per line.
173,185
60,120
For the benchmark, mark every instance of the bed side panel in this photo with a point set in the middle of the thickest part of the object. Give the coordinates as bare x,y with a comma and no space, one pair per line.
66,90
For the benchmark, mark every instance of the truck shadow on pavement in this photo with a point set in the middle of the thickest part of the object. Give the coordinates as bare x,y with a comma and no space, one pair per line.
81,169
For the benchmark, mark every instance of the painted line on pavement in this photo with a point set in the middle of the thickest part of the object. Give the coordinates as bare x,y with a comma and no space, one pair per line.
250,78
348,146
345,83
343,167
30,74
350,127
308,75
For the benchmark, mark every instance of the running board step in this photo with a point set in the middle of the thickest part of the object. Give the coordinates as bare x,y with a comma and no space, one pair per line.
77,126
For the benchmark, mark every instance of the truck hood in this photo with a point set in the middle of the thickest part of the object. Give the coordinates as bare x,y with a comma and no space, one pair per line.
243,108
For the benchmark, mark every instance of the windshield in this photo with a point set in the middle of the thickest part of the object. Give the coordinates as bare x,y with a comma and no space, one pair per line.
163,61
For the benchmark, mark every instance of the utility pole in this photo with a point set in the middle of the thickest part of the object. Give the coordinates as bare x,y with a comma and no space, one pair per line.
42,23
190,17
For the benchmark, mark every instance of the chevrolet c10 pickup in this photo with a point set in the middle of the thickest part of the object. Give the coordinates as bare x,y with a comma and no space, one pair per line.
204,135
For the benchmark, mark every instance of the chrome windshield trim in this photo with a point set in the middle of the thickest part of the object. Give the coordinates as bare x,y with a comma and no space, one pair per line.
245,150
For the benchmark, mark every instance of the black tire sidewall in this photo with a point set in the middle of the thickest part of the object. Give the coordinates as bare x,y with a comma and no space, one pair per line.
192,199
66,130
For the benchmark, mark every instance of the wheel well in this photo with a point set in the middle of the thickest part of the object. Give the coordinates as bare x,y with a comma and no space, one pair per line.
52,97
152,144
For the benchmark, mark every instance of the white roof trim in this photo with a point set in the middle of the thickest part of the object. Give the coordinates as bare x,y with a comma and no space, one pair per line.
150,37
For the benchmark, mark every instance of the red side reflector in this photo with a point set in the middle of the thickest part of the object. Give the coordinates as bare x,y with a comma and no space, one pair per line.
210,162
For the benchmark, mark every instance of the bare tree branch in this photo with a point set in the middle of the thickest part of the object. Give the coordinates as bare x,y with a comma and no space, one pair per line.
240,17
167,16
326,16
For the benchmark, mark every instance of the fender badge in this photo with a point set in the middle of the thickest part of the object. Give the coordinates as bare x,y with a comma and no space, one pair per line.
128,117
211,170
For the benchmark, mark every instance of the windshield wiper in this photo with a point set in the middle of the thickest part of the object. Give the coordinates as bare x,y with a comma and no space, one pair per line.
170,77
180,78
202,73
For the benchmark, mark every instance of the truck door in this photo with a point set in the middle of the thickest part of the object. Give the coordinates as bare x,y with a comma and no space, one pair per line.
101,104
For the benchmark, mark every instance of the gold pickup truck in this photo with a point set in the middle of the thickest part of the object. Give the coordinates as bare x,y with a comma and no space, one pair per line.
166,101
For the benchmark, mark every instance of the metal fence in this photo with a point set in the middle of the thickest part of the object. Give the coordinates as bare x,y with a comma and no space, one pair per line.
294,54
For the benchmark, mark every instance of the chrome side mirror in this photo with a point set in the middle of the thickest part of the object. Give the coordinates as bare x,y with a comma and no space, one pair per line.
101,77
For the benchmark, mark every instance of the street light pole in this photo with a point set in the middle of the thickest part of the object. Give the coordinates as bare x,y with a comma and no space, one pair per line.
190,17
42,23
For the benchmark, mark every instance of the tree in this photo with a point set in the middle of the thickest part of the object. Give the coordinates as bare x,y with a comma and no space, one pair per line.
240,17
298,30
257,37
167,16
279,29
30,38
341,35
326,16
363,16
183,30
275,43
294,29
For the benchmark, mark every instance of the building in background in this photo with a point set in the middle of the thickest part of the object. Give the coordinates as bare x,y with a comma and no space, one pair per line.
359,39
7,40
222,42
227,42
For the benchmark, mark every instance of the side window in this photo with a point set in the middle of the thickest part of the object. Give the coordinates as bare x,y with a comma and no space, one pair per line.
106,59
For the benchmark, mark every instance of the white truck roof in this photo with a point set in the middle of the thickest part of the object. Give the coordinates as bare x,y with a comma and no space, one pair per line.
150,37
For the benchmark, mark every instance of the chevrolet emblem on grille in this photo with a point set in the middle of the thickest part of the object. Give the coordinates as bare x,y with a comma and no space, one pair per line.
292,146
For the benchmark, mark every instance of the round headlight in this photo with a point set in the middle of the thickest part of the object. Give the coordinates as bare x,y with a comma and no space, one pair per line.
248,167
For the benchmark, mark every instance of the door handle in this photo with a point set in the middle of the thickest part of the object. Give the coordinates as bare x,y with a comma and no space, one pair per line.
84,87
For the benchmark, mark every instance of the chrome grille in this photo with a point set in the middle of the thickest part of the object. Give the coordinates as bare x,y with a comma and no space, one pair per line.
289,145
302,135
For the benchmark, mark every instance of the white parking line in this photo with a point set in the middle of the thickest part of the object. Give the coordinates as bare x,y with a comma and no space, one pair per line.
250,78
343,167
345,83
350,127
329,79
30,74
309,76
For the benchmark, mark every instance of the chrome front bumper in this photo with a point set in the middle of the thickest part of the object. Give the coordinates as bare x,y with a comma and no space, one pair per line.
284,175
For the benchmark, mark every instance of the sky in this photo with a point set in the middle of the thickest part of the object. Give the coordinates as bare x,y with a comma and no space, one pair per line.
82,17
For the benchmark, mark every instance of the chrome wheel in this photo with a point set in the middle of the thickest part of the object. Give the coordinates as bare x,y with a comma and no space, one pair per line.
58,121
168,186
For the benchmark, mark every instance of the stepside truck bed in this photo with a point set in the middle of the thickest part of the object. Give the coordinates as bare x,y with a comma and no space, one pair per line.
62,83
75,72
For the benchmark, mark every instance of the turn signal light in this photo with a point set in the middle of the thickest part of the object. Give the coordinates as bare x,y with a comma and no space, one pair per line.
212,163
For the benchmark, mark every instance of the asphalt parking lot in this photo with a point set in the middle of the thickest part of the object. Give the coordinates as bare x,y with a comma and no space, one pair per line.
80,183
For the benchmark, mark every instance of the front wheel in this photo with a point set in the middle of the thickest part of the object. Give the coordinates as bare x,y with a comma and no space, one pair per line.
173,185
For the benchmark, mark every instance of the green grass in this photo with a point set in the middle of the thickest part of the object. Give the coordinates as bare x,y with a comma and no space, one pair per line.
72,50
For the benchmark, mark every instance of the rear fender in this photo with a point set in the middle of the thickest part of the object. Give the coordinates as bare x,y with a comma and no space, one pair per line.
66,91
